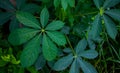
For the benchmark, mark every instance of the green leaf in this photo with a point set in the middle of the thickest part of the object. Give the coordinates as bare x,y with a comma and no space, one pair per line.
55,25
57,37
63,63
56,3
82,44
96,27
64,4
44,17
4,17
31,52
110,27
20,3
98,3
110,3
114,13
21,36
28,19
14,24
49,48
90,54
71,3
32,8
91,44
74,67
86,67
6,4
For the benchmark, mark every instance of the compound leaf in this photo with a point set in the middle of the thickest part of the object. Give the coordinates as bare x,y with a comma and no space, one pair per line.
98,3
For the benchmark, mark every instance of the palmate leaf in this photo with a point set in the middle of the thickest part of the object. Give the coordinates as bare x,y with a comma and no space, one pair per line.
96,27
98,3
110,27
82,44
114,13
49,48
4,17
57,37
28,19
86,67
63,63
44,17
31,52
90,54
110,3
64,4
55,25
21,36
74,67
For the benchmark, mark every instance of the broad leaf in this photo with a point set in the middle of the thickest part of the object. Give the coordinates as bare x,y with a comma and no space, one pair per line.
55,25
110,3
28,19
114,13
20,3
21,36
82,44
32,8
90,54
74,67
44,17
63,63
98,3
6,4
49,48
71,3
4,17
96,27
57,37
110,27
64,4
56,3
30,52
40,63
86,67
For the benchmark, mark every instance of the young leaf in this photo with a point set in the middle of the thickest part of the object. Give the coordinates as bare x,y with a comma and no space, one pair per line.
40,63
49,48
57,37
96,27
74,67
82,44
30,52
98,3
63,63
55,25
114,13
21,36
56,3
64,4
44,17
28,19
110,27
4,17
71,3
86,67
90,54
110,3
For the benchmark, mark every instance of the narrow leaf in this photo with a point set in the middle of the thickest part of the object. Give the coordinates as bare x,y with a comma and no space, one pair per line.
71,3
90,54
82,44
55,25
110,27
21,36
57,37
20,3
63,63
74,67
44,17
86,67
56,3
4,17
64,4
28,19
114,13
49,48
30,52
98,3
110,3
